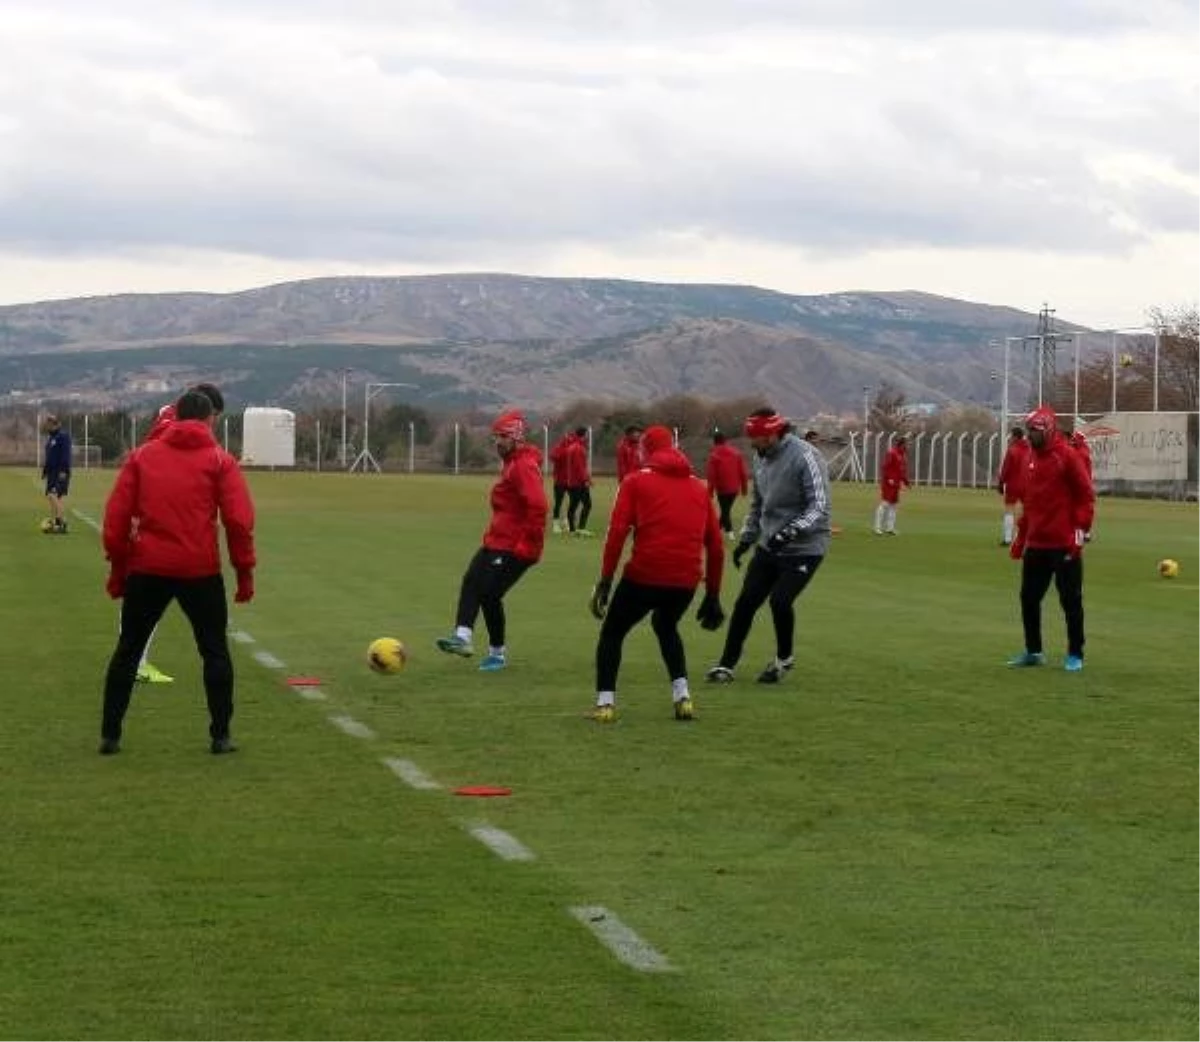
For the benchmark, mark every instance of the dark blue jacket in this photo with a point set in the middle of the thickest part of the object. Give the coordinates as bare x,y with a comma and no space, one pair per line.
58,454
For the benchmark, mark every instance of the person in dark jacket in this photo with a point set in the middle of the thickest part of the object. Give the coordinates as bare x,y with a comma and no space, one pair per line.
160,537
788,529
56,469
676,543
1060,505
727,477
512,544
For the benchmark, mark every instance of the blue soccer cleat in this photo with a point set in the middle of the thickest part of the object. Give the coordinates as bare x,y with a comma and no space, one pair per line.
1026,659
492,663
1074,664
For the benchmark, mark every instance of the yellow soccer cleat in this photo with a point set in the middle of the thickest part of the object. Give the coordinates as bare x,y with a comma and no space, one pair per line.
149,674
604,714
684,710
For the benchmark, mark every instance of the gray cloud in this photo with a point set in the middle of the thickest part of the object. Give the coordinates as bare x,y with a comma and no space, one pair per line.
822,126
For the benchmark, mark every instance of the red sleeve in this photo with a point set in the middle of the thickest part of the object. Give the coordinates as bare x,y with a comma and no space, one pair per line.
618,526
1083,493
527,479
714,553
237,514
118,513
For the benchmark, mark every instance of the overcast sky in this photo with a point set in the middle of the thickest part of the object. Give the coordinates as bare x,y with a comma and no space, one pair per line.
1014,152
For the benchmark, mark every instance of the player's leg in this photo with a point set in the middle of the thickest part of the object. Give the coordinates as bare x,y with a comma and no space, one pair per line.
629,605
146,598
204,603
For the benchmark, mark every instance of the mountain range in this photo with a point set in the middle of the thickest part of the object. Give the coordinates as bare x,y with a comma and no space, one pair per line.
485,339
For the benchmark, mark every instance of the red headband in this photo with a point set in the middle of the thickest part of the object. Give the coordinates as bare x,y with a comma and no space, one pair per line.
765,426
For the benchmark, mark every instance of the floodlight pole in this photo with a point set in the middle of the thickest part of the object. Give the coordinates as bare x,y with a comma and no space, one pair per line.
365,459
345,373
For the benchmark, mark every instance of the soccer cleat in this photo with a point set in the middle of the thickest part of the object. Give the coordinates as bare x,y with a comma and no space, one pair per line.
1027,658
556,527
109,746
220,746
583,533
684,710
719,675
775,669
455,646
492,663
877,531
1073,664
149,674
604,714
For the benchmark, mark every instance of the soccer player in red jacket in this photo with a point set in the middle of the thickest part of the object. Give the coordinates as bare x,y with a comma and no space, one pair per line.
577,477
1010,482
629,451
160,537
558,471
676,543
512,544
1055,524
893,475
728,478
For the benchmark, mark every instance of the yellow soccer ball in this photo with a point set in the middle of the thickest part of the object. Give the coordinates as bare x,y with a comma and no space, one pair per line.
47,524
386,655
1168,568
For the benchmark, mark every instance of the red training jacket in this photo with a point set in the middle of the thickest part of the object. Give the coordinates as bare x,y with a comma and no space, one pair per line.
519,508
1080,444
726,471
575,462
161,516
164,419
629,456
894,473
1059,497
674,524
1011,478
558,460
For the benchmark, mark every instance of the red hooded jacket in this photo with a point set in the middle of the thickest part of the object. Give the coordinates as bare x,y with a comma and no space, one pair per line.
519,508
675,526
895,472
558,460
1011,478
161,516
726,471
1059,498
575,473
629,455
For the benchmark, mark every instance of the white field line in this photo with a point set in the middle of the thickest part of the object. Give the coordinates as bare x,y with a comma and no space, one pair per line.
500,843
619,939
409,773
348,725
87,519
265,658
240,637
312,694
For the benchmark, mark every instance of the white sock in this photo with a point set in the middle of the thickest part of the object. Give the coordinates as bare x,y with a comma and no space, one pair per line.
606,698
463,633
1008,526
879,512
499,652
679,689
890,524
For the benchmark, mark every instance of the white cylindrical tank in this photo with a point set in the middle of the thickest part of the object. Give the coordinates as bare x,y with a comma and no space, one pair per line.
268,437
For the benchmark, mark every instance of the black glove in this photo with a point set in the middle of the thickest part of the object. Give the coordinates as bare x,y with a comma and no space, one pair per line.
739,552
778,541
710,614
598,605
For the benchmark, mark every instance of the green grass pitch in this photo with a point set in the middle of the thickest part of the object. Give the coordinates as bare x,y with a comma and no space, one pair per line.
903,840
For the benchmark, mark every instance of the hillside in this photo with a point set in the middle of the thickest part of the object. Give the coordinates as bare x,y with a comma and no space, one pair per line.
488,338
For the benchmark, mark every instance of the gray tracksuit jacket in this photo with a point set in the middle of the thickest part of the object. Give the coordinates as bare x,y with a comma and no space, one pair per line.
791,495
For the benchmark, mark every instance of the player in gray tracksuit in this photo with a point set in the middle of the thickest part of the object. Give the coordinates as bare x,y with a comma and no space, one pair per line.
788,528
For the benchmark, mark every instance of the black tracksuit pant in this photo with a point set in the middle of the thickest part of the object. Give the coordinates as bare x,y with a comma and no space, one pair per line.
489,576
782,579
725,505
1038,568
146,598
579,502
631,602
